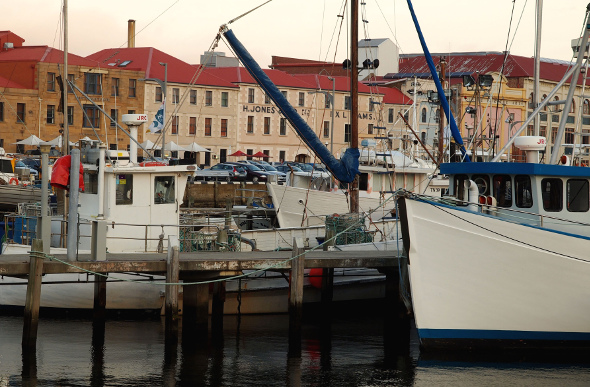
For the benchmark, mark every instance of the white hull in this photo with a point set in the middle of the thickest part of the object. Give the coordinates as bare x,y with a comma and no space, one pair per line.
258,296
478,278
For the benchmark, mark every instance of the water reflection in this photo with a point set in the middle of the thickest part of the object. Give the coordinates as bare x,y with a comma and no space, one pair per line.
362,351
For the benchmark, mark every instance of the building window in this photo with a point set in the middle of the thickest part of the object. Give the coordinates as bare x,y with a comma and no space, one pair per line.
327,103
158,94
347,102
70,115
224,99
114,87
281,156
284,92
192,127
390,116
20,112
114,117
50,81
347,132
51,114
370,129
283,127
71,83
223,127
174,124
586,107
208,127
423,115
326,129
249,152
577,195
91,117
569,136
132,88
124,192
175,95
250,95
266,99
266,125
1,111
250,127
208,98
371,105
222,155
92,83
193,97
301,98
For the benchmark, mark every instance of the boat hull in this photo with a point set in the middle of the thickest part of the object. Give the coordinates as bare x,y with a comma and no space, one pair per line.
477,280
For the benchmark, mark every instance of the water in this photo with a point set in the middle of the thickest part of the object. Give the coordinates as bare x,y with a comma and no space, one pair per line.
352,353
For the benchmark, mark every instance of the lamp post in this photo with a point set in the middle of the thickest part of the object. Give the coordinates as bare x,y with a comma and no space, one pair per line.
163,85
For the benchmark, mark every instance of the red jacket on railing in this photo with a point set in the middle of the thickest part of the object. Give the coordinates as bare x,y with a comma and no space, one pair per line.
60,176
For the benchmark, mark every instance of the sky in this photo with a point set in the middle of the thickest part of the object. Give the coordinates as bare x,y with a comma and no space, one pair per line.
306,29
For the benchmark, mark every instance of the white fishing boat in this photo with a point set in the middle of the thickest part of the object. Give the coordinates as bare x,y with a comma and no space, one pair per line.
503,260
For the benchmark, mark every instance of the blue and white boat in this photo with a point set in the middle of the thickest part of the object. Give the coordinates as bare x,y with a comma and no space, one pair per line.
502,260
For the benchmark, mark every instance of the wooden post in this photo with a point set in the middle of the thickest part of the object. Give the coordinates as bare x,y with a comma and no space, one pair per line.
33,299
215,193
327,281
296,291
217,308
100,297
195,313
172,277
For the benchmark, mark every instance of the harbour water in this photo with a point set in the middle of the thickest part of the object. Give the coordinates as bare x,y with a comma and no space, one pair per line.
254,351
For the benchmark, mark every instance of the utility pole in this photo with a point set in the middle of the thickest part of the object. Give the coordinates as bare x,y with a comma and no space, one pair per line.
354,84
441,113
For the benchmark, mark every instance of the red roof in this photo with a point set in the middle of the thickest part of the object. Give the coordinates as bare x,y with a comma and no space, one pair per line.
241,75
43,54
148,59
395,96
7,83
485,62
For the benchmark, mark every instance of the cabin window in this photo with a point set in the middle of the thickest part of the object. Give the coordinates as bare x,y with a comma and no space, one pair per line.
503,190
523,191
164,190
364,181
483,184
551,190
124,189
577,195
90,182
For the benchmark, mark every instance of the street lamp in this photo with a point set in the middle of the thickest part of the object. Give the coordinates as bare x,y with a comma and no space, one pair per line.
164,86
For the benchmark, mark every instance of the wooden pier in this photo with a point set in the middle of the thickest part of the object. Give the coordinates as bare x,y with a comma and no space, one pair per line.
193,268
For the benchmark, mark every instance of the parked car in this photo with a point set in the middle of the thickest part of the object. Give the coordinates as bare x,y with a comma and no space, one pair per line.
281,176
220,172
286,168
253,173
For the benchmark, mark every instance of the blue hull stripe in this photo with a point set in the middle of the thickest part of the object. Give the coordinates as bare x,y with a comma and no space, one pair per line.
457,334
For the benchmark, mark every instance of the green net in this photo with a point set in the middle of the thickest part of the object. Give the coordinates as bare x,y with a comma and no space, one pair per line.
354,224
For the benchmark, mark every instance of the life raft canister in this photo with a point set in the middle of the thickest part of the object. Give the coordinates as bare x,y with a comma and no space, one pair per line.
60,176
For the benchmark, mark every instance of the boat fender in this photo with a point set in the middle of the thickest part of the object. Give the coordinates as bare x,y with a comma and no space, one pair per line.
13,181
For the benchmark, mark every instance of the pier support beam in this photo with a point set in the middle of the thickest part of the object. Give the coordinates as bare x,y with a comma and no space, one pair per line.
172,277
296,292
100,297
33,300
195,313
217,308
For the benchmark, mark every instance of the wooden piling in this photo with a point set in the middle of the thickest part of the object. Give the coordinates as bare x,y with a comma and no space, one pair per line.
33,300
217,305
172,277
195,304
100,297
327,279
296,290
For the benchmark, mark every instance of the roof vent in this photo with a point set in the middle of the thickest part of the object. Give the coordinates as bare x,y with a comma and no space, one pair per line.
8,45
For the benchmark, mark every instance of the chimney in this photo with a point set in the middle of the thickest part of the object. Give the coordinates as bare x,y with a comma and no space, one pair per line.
131,33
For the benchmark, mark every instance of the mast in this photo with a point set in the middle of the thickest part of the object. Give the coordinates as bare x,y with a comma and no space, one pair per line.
537,69
354,84
66,134
441,113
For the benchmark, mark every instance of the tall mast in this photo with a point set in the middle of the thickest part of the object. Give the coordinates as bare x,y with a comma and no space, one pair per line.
537,69
66,134
354,84
441,113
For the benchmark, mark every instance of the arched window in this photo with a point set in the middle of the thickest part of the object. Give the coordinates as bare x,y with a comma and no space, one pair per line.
531,101
556,108
544,108
573,108
586,108
423,115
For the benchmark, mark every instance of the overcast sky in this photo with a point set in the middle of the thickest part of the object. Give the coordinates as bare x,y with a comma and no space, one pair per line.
305,29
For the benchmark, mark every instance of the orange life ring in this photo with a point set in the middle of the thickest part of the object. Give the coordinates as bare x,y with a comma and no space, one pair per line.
13,181
152,164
